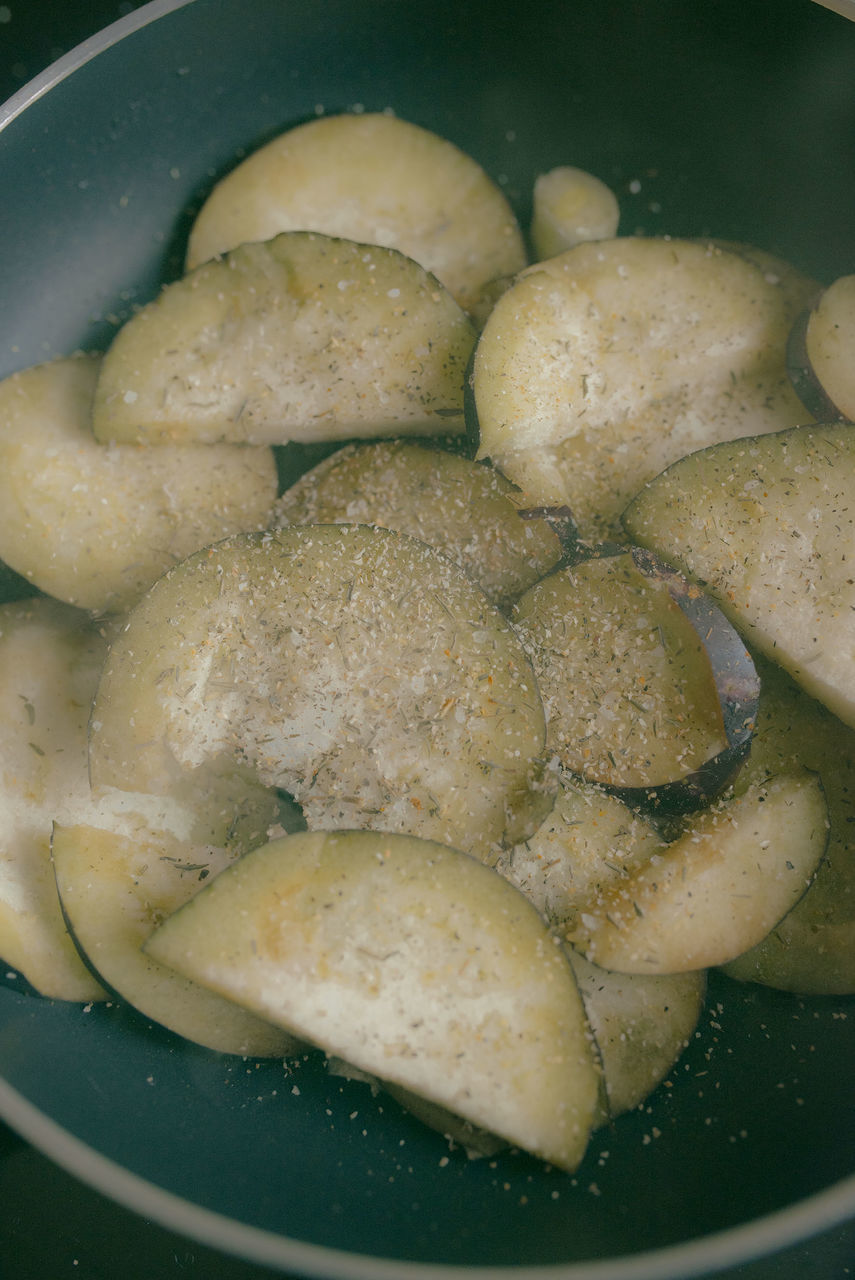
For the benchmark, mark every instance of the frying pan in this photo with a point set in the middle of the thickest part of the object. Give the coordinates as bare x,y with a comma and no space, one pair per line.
735,119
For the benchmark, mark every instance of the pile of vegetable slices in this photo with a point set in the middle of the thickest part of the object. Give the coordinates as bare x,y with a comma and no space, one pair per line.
433,658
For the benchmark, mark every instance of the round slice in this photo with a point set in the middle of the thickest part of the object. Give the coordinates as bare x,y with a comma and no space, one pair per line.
463,508
95,526
717,890
412,961
353,667
628,688
301,338
599,367
373,178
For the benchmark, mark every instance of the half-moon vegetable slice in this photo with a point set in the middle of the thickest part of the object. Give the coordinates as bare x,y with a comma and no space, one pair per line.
641,1023
115,888
767,526
600,366
50,660
412,961
95,525
812,950
570,206
717,890
353,667
301,338
636,670
373,178
821,354
463,508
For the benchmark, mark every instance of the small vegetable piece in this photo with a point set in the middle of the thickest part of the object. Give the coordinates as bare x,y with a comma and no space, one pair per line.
767,525
300,338
50,658
641,1023
94,526
821,354
412,961
590,840
375,179
115,888
463,508
812,950
589,844
570,206
736,871
627,685
599,367
353,667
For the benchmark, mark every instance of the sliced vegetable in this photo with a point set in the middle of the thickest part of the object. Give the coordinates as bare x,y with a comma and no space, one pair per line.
376,179
736,871
765,524
601,366
641,1022
120,859
630,692
590,840
94,526
412,961
50,659
822,354
300,338
797,289
115,889
353,667
812,950
465,509
570,206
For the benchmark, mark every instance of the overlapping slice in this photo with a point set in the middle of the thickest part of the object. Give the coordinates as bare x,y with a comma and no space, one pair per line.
632,696
355,668
303,337
590,840
374,178
601,366
768,526
121,860
467,510
641,1022
705,898
94,526
812,950
822,354
412,961
115,887
50,659
591,844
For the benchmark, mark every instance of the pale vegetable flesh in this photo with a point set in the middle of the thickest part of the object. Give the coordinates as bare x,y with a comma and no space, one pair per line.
600,366
376,179
414,962
302,337
767,525
353,667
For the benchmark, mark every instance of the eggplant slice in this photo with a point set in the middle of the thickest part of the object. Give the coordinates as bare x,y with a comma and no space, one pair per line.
377,179
599,367
648,689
